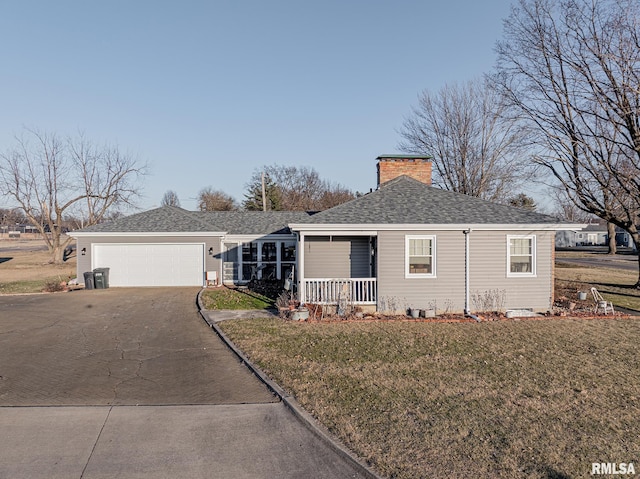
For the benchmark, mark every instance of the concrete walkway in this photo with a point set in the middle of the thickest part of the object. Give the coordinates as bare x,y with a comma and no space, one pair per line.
131,383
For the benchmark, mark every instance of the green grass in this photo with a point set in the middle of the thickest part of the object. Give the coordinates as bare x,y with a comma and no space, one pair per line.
227,298
512,399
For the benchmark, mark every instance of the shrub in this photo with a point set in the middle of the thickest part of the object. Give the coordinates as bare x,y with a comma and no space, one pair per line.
54,285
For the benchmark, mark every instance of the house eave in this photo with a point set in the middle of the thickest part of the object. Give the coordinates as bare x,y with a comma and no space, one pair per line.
182,234
254,237
372,228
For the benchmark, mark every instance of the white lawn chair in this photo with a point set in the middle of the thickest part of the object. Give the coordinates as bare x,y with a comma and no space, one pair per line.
601,303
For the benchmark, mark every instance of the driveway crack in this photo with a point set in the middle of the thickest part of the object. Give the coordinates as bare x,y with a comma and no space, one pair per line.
95,444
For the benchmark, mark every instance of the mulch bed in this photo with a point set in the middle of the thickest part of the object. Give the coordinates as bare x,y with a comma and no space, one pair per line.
563,309
566,306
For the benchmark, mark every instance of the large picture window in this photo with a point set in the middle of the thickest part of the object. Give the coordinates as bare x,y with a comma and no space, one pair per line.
420,256
521,256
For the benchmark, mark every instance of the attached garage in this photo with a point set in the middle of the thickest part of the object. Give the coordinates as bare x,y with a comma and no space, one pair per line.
149,264
169,246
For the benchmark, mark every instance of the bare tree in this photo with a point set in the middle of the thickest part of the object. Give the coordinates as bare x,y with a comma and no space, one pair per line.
334,196
611,238
292,188
48,177
476,150
170,198
215,200
571,70
566,208
10,217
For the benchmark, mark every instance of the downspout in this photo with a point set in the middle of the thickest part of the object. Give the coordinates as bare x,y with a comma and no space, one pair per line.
467,311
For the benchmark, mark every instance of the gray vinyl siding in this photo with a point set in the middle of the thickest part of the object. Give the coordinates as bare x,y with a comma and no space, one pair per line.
488,271
212,261
446,290
336,257
488,252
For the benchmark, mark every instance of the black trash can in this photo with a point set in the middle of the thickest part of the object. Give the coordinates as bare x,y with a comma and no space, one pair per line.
98,279
88,280
105,275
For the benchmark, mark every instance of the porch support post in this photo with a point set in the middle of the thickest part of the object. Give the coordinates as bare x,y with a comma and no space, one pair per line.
223,255
300,261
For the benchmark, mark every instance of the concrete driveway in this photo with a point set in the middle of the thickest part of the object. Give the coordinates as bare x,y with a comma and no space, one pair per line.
132,383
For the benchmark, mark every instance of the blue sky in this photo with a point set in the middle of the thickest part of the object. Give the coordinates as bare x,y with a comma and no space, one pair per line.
206,92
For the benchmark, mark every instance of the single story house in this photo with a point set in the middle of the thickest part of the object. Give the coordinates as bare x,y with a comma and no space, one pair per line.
406,244
594,234
624,238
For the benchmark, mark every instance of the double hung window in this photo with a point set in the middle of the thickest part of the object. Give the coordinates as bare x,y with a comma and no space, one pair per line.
420,256
521,256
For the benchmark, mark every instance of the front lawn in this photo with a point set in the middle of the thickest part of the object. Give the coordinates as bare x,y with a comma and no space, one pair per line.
231,298
510,399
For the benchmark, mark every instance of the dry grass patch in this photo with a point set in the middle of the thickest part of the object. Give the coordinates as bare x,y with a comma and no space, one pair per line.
617,285
29,269
529,399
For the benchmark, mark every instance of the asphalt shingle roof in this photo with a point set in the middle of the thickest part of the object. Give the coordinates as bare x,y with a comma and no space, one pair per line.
169,219
405,200
253,222
402,200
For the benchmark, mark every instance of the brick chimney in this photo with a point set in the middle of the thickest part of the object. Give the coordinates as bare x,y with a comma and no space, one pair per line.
392,166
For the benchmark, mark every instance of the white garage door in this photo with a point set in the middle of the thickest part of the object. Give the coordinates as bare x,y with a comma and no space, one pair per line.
151,264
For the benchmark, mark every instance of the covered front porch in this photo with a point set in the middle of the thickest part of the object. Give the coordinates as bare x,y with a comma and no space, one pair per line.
337,269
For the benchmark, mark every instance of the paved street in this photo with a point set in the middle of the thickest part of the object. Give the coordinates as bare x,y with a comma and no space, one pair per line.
132,383
626,262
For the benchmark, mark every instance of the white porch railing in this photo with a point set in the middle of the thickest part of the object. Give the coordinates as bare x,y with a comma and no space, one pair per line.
332,291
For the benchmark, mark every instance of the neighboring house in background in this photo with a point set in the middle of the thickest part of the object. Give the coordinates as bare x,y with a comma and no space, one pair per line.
591,235
594,234
406,244
623,238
